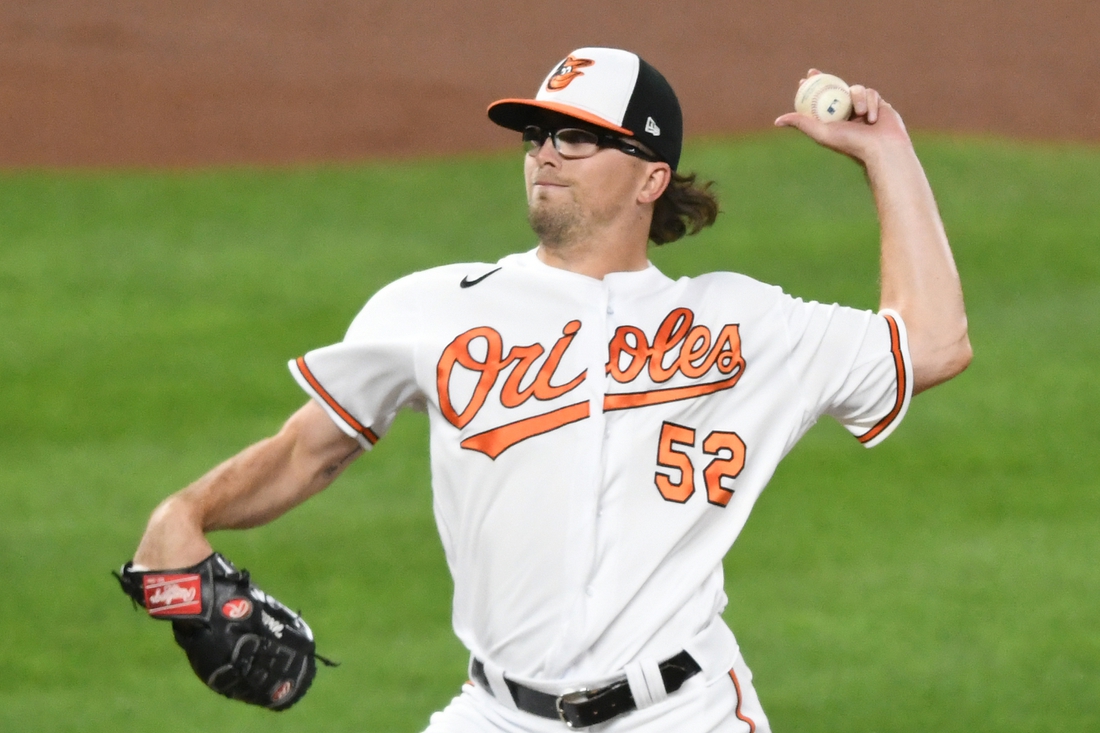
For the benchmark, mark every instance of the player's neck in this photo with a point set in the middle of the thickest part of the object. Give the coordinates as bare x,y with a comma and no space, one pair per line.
600,251
595,262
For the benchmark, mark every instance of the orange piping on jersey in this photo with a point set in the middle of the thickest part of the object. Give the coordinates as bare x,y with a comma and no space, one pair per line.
899,365
629,400
737,711
494,442
344,414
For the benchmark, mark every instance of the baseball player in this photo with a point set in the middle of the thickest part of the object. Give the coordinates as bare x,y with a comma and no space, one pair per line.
599,431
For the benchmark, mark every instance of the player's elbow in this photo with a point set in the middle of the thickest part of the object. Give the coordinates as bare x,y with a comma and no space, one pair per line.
957,358
936,366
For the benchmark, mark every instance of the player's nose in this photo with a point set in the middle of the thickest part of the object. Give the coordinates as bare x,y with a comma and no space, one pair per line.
547,152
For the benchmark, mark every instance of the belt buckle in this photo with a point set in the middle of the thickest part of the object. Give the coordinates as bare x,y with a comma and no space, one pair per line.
573,697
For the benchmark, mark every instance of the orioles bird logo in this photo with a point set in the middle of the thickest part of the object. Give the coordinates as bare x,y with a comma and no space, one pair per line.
569,70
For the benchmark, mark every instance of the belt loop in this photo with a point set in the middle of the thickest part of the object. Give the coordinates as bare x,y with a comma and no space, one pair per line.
654,681
713,649
646,684
498,686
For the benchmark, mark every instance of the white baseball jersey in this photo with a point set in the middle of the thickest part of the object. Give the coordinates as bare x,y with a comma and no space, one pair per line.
597,445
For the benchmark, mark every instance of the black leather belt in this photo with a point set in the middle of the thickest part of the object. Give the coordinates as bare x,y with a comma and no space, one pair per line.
584,707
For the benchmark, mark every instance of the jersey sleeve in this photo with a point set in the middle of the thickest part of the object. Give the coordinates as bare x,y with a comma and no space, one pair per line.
365,379
851,364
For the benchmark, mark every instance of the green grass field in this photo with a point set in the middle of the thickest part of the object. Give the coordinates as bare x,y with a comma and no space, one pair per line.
945,581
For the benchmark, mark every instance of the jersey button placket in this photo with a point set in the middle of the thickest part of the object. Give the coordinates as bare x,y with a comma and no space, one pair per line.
588,507
600,519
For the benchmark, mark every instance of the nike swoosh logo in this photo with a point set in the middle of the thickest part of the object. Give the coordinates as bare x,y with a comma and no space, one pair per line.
467,283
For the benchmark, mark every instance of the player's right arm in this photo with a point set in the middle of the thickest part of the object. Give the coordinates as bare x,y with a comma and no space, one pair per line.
919,279
253,487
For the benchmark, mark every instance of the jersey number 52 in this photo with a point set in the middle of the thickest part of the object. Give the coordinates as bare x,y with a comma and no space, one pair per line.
729,452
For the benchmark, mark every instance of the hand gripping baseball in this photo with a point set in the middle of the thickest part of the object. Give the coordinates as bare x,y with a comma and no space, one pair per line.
241,642
873,126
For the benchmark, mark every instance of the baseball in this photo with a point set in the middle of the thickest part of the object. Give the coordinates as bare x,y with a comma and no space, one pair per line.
824,97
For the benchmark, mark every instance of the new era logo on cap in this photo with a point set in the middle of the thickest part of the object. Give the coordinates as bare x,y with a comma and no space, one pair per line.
609,88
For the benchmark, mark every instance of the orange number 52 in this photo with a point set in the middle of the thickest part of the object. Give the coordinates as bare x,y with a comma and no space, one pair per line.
678,484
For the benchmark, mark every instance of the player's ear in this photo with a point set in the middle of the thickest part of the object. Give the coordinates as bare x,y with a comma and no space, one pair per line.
658,176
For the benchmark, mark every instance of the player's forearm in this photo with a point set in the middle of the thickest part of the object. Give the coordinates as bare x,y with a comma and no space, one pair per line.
224,498
252,488
919,277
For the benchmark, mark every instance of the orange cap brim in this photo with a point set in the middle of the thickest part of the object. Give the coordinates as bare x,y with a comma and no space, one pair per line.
515,114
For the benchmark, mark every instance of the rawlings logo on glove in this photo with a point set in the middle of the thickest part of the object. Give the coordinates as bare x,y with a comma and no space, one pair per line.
264,658
172,595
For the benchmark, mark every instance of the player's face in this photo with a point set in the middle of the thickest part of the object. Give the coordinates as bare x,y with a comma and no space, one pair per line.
569,199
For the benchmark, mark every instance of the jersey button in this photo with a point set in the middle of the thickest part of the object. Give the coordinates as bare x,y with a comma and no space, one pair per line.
610,310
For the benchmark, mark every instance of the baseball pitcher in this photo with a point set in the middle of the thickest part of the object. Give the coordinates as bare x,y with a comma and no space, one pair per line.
599,431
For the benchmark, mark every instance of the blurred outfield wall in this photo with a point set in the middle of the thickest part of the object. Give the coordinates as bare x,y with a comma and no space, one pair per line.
166,82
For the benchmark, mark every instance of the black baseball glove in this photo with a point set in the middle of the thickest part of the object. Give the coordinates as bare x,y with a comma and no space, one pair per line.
241,642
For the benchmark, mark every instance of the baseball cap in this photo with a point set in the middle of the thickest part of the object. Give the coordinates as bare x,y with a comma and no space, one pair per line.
609,88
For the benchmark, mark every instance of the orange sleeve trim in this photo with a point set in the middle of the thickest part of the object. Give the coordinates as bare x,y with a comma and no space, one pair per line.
737,711
899,366
323,394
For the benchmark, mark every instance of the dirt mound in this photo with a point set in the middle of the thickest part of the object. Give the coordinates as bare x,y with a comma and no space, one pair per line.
131,82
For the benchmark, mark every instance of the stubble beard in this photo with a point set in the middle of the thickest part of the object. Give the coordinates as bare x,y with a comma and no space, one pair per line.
558,227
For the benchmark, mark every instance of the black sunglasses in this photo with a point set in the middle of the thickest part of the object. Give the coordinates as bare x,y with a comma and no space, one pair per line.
576,142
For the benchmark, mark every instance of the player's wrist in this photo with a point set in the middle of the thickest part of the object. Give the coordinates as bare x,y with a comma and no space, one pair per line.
174,536
888,152
167,545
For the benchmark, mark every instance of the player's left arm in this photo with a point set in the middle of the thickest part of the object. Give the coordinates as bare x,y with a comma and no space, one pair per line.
254,487
919,277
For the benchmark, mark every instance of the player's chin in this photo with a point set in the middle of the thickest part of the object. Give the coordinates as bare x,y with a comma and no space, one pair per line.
552,223
547,203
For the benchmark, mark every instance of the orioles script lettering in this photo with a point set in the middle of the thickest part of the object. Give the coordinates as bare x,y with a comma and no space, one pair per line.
679,347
